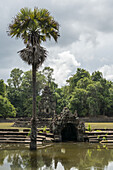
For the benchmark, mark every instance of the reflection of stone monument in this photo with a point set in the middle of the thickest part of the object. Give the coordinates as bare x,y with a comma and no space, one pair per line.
47,104
67,126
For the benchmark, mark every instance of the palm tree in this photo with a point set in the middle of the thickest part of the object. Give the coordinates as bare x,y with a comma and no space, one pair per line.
34,27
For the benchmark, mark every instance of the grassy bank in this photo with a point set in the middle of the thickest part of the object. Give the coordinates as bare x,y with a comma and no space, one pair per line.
6,125
9,126
100,125
93,126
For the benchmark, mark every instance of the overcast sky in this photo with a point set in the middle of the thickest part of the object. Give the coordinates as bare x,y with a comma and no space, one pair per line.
86,37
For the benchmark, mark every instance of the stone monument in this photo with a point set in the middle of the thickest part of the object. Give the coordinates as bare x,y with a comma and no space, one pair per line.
67,127
47,104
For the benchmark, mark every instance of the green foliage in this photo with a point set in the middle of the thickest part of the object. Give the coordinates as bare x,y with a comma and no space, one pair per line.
61,99
104,138
77,101
84,82
45,130
80,74
20,94
29,133
2,88
98,136
16,78
96,76
6,108
89,127
90,95
38,22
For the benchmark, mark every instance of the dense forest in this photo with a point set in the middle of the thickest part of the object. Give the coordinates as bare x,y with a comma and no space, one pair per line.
89,94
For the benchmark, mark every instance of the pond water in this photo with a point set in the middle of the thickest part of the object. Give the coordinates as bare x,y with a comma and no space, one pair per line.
59,156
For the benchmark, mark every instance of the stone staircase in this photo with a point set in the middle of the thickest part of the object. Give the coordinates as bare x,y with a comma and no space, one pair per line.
15,136
104,136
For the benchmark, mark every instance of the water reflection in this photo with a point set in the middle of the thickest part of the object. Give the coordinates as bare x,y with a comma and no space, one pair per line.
58,156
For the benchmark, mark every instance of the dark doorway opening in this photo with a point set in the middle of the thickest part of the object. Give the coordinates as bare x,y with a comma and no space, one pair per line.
69,133
47,110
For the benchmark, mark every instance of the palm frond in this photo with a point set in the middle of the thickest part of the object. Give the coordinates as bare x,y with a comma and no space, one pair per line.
40,54
38,22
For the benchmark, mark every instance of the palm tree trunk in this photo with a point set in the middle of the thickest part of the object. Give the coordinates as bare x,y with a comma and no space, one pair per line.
33,135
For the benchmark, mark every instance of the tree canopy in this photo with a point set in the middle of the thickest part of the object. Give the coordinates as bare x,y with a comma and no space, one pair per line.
6,108
89,96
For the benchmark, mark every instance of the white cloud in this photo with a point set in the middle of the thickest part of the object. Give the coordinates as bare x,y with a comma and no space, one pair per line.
107,71
64,65
86,29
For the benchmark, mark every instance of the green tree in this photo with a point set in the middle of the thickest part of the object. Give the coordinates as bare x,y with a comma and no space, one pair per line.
80,74
48,73
26,88
16,78
34,27
61,99
94,98
2,88
14,90
6,108
96,76
84,82
78,102
109,102
21,95
106,93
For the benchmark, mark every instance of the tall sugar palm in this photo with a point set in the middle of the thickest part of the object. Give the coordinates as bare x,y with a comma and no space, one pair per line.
34,27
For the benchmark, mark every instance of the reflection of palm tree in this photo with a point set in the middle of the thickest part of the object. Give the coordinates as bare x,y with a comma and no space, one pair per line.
34,27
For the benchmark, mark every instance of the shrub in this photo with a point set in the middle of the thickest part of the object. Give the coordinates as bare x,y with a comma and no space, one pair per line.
6,108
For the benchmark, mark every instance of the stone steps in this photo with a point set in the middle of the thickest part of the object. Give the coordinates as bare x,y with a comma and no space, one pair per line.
19,139
99,132
9,130
56,138
14,136
18,142
42,137
15,139
107,141
99,136
14,133
100,129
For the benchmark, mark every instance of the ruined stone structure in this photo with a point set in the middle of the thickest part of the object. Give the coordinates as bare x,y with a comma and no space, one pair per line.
46,111
67,127
47,105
